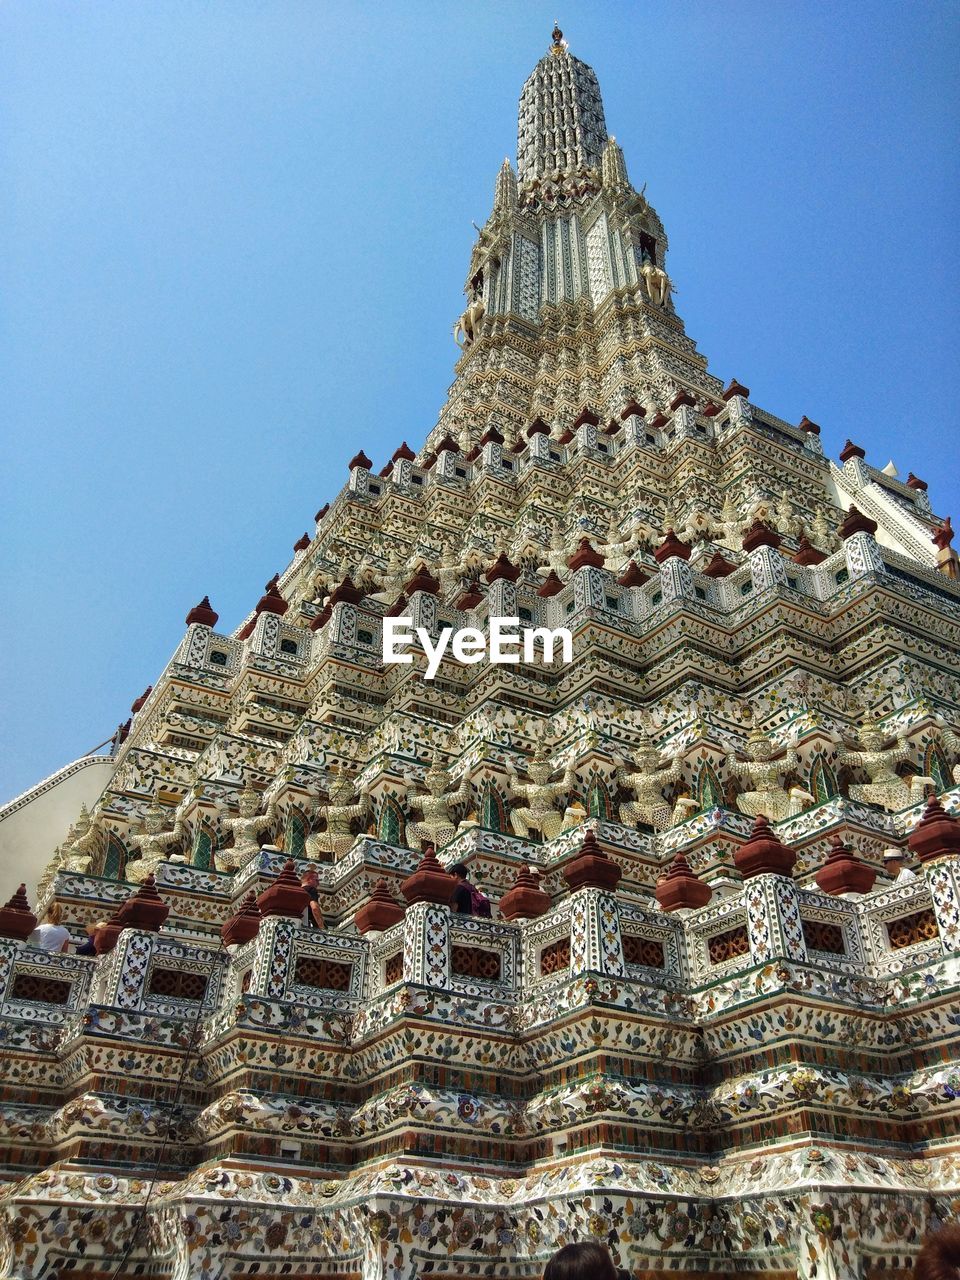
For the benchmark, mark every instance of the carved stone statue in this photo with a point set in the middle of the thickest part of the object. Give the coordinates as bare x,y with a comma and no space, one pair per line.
885,788
763,772
245,830
338,813
152,844
647,781
438,825
77,850
467,328
658,283
539,813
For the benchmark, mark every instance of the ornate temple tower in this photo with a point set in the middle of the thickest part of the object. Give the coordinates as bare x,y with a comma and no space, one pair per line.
712,1021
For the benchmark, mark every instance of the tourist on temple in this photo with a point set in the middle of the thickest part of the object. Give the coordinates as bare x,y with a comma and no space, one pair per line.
586,1261
467,899
895,865
51,935
312,915
87,948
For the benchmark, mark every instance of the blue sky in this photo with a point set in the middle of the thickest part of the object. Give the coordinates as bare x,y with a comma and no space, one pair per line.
233,239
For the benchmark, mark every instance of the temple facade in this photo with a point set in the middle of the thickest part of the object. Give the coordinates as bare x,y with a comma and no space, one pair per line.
704,1023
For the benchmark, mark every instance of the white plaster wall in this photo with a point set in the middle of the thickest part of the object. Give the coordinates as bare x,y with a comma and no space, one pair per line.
32,825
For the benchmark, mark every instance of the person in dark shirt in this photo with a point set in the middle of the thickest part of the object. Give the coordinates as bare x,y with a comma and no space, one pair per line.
312,915
462,900
87,948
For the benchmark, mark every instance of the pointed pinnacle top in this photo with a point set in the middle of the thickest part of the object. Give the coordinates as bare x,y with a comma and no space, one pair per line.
557,36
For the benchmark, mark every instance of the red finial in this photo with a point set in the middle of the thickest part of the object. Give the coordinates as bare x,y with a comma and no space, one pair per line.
380,911
592,868
16,918
760,534
735,388
551,585
810,427
359,460
286,896
633,576
936,835
718,567
585,556
202,614
429,883
764,852
671,548
302,542
681,889
138,703
843,871
524,900
856,522
944,535
807,553
502,568
422,580
403,453
244,924
851,450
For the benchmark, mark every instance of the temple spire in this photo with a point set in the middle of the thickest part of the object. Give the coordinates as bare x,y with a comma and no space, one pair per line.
505,193
561,129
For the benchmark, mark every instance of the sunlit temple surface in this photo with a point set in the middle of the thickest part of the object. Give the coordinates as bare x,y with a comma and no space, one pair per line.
705,1024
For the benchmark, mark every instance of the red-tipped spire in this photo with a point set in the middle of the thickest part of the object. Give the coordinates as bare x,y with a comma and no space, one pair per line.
944,535
681,889
936,835
429,883
524,900
760,534
403,453
914,482
810,427
681,398
856,522
764,852
502,568
286,896
633,410
381,910
585,556
718,567
851,450
586,418
139,703
470,598
359,460
322,512
202,613
537,428
346,593
807,553
422,580
843,871
16,918
551,585
592,867
735,388
302,542
671,548
633,576
244,924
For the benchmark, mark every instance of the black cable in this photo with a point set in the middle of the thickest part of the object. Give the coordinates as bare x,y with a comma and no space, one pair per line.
142,1215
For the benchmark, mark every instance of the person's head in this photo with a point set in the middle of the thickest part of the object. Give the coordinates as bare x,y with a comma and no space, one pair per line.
54,913
585,1261
939,1259
459,870
893,861
310,878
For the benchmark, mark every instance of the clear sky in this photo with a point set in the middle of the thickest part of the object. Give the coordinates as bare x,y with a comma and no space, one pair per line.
233,238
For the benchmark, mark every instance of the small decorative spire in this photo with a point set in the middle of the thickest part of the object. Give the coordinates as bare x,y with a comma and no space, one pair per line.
381,911
843,872
764,853
633,576
551,585
557,36
856,522
671,548
286,896
680,888
585,556
505,195
592,867
524,900
16,918
244,924
503,567
429,883
936,835
202,614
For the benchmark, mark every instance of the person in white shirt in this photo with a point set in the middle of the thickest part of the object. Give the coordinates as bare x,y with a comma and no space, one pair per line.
51,935
894,864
